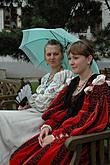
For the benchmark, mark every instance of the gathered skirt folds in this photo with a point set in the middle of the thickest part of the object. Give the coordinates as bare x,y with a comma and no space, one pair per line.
31,153
16,127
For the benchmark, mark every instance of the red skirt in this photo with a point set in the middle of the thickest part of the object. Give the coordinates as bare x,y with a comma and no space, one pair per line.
31,153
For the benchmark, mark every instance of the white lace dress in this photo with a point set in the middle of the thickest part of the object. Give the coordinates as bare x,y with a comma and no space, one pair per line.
16,127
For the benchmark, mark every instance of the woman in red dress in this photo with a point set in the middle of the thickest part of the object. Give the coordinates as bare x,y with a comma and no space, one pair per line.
80,108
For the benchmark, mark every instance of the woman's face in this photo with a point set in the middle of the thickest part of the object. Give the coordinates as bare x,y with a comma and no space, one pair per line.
79,63
53,56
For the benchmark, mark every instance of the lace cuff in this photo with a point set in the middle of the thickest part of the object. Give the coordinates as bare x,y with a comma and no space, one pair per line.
60,136
48,126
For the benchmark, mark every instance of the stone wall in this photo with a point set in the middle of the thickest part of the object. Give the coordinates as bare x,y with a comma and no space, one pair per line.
2,74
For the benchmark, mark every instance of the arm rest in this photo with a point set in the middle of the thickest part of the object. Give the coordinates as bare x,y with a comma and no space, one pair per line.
74,145
81,139
8,102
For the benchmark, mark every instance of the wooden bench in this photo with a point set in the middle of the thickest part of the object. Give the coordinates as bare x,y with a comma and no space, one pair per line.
102,139
8,92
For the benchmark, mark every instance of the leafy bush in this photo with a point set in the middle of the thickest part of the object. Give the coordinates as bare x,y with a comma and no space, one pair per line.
9,44
34,86
102,43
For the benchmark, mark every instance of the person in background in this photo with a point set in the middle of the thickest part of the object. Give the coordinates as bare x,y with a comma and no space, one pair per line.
17,126
80,108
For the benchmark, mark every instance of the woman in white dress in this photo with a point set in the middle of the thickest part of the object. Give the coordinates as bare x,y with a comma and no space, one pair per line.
16,127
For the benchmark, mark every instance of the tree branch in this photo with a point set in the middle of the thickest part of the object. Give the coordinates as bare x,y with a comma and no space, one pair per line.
106,1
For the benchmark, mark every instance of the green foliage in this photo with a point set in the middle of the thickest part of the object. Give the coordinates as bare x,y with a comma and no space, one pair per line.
9,44
76,15
30,20
26,18
56,13
84,13
34,86
102,43
39,22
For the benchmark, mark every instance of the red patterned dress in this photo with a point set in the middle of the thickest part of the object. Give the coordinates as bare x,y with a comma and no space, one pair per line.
69,115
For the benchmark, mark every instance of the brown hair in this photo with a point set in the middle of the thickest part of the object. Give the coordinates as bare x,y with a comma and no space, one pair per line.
54,42
81,47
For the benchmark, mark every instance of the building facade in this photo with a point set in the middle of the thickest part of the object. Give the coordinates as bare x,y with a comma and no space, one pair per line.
10,16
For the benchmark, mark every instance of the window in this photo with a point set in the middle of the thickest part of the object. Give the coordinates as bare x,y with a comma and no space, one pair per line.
10,17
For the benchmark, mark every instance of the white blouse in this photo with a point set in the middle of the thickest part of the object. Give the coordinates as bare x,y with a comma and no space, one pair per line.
47,91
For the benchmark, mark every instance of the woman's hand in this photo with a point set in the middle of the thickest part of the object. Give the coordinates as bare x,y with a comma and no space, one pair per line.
44,132
20,108
47,140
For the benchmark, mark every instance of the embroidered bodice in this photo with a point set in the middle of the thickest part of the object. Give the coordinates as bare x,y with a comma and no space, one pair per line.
48,90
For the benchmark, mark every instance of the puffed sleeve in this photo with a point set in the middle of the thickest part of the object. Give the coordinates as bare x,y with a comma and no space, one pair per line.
93,116
43,98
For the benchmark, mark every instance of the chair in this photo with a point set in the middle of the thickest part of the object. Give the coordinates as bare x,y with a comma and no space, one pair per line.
97,141
8,92
102,157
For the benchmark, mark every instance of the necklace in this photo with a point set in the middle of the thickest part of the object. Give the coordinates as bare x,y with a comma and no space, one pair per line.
51,76
80,87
